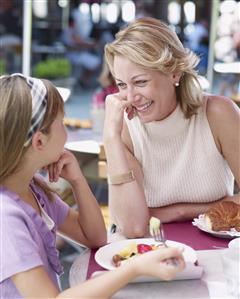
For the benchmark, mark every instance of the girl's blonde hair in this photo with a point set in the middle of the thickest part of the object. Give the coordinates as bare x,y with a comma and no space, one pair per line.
151,44
15,121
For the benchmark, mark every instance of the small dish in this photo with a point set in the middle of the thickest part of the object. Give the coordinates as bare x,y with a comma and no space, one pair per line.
200,223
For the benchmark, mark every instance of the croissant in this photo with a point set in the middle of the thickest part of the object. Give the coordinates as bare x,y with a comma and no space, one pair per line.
223,216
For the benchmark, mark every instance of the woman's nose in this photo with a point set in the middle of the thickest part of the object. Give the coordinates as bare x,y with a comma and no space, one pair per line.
132,95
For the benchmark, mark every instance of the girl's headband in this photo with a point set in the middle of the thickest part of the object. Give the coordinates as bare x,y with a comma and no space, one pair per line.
39,104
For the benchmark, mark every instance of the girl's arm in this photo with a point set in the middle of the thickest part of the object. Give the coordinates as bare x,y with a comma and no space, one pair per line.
86,225
35,283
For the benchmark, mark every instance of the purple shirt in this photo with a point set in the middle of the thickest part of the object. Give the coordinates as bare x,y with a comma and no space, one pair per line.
25,241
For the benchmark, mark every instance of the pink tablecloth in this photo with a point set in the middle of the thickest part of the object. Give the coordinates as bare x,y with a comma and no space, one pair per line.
183,232
188,234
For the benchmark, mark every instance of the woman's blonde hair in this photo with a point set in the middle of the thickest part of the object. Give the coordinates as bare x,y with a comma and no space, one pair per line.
15,121
151,44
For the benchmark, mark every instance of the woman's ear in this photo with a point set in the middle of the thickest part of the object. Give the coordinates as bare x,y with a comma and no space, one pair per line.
176,77
39,141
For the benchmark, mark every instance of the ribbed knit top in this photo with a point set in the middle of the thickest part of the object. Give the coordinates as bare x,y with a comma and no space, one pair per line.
180,160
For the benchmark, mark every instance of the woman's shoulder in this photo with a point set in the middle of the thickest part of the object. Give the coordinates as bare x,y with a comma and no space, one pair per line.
220,111
219,107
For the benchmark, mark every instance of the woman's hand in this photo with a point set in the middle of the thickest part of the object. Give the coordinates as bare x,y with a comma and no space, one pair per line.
115,106
154,263
66,167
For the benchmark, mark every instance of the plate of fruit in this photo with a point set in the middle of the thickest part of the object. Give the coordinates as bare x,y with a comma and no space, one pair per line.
117,253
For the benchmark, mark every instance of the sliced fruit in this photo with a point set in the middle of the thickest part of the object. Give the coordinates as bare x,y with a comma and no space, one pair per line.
129,250
142,248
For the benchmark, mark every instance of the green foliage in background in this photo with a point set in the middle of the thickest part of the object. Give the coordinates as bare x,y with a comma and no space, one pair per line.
52,68
2,67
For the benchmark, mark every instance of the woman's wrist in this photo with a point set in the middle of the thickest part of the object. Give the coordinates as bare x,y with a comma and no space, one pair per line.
111,137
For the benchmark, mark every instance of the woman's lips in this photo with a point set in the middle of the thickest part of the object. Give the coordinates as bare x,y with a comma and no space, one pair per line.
144,108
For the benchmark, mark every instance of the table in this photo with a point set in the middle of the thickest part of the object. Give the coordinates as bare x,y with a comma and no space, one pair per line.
87,153
231,67
80,134
212,284
64,92
84,146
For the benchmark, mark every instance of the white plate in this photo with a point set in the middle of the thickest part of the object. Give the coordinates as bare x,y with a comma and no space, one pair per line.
235,243
200,223
104,255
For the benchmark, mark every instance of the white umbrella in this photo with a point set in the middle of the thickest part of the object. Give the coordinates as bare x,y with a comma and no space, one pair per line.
27,37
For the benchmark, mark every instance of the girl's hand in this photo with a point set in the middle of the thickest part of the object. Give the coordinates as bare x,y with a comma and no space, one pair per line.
66,167
154,263
115,106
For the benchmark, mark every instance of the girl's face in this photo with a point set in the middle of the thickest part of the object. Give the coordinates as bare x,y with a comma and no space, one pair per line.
151,93
57,138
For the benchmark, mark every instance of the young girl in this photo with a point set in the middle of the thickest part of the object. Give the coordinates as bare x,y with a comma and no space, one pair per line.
32,136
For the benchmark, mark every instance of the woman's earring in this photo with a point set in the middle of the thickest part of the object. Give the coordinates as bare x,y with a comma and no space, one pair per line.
176,84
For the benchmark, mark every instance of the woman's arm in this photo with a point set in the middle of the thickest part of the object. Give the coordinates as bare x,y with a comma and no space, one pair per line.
36,283
86,225
186,211
126,201
224,120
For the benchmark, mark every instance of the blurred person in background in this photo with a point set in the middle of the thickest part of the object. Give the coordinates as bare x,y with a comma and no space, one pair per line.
10,36
197,40
227,46
142,9
83,21
107,86
82,51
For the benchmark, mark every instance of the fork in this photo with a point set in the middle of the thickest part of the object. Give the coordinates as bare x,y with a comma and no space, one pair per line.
157,233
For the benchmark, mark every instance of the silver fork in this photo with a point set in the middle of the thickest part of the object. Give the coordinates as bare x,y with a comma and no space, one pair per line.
159,236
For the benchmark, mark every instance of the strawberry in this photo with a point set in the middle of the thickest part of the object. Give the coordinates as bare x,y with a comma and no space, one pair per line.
142,248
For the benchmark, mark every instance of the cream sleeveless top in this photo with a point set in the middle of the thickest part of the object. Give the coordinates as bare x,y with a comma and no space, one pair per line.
180,160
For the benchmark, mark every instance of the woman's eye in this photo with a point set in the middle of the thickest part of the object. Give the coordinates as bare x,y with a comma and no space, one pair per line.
141,82
121,85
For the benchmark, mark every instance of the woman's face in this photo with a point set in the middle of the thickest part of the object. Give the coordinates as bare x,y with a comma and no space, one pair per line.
151,93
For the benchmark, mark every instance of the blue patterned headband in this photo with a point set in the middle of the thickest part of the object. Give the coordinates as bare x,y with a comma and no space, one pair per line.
39,104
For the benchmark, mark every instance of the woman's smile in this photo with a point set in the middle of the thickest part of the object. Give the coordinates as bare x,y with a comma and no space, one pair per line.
143,108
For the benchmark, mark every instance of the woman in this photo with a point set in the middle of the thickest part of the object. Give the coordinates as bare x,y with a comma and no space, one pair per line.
172,151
